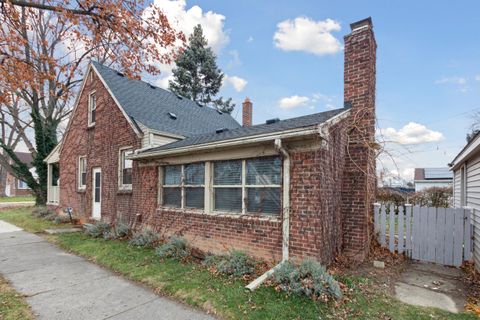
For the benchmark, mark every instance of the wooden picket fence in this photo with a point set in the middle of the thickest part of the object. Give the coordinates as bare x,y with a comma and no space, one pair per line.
439,235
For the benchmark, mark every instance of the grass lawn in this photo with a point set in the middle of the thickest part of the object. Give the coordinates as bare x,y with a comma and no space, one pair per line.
17,199
22,217
12,305
193,284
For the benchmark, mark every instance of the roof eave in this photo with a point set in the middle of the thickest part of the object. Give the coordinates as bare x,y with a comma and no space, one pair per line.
471,147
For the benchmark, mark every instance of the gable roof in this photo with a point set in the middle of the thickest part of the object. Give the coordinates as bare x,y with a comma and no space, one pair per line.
472,146
431,174
25,157
246,132
151,106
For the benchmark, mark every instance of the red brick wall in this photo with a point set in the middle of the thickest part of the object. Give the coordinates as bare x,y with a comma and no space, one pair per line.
359,181
101,145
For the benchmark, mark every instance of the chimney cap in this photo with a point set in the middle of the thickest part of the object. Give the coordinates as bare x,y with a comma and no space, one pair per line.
247,100
361,24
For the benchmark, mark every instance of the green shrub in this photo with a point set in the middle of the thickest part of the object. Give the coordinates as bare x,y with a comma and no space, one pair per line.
235,263
96,230
144,238
50,217
310,279
122,230
175,248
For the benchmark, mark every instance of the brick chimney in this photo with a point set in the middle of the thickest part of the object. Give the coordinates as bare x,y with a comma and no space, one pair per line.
247,112
359,182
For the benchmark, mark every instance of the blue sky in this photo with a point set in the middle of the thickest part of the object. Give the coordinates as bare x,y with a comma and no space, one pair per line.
428,60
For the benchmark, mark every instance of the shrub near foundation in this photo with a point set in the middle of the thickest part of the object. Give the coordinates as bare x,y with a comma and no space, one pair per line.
235,264
309,278
144,238
175,248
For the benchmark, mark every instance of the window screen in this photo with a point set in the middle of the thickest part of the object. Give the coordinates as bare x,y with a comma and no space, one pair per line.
226,176
82,172
187,180
126,168
92,106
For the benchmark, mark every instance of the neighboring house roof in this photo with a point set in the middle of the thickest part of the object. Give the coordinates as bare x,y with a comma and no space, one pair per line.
25,157
244,132
151,106
433,174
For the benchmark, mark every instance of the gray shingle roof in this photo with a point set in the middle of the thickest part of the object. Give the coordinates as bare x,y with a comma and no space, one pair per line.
293,123
151,105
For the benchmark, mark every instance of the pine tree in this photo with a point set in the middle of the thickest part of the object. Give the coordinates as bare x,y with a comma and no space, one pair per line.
197,76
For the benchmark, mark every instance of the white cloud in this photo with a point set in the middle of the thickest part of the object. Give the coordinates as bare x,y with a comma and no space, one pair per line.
452,80
305,34
250,39
327,100
293,102
185,20
237,82
460,82
477,77
412,133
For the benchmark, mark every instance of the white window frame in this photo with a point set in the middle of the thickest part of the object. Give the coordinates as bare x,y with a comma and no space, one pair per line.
183,186
90,108
21,188
79,173
244,186
121,185
209,187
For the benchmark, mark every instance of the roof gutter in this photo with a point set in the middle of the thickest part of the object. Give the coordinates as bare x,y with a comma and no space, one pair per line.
285,219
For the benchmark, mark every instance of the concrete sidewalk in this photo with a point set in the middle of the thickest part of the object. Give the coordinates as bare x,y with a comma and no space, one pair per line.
59,285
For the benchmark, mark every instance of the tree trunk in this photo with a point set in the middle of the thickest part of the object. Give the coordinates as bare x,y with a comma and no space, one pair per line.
3,182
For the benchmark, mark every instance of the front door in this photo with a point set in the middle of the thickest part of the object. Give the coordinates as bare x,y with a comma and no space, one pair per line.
97,193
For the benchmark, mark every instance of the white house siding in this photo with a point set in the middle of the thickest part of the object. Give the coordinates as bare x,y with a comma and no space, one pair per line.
473,200
457,187
151,139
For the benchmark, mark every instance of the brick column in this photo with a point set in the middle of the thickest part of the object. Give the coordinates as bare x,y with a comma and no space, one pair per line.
359,183
247,113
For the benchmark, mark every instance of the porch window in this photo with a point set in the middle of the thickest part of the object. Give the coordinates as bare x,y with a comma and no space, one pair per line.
251,185
82,172
125,169
92,107
184,186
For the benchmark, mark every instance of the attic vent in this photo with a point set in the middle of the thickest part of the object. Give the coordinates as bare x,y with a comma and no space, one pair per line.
152,86
220,130
172,115
179,97
270,121
120,74
219,112
199,104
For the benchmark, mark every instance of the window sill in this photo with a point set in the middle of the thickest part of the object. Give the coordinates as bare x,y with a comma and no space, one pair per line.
90,126
223,214
124,191
81,190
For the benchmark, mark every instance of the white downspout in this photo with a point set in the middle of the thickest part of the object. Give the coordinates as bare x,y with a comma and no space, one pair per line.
286,217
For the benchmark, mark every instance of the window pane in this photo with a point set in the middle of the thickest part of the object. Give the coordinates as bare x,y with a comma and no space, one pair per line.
172,175
227,172
263,200
195,173
195,197
228,199
127,163
127,176
264,171
84,178
172,197
92,116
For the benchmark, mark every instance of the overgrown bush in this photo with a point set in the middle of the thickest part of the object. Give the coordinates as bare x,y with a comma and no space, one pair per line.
389,196
122,230
175,248
52,216
235,263
99,229
144,238
309,278
433,197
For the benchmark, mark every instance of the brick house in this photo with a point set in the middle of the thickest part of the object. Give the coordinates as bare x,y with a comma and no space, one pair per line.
12,186
299,187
